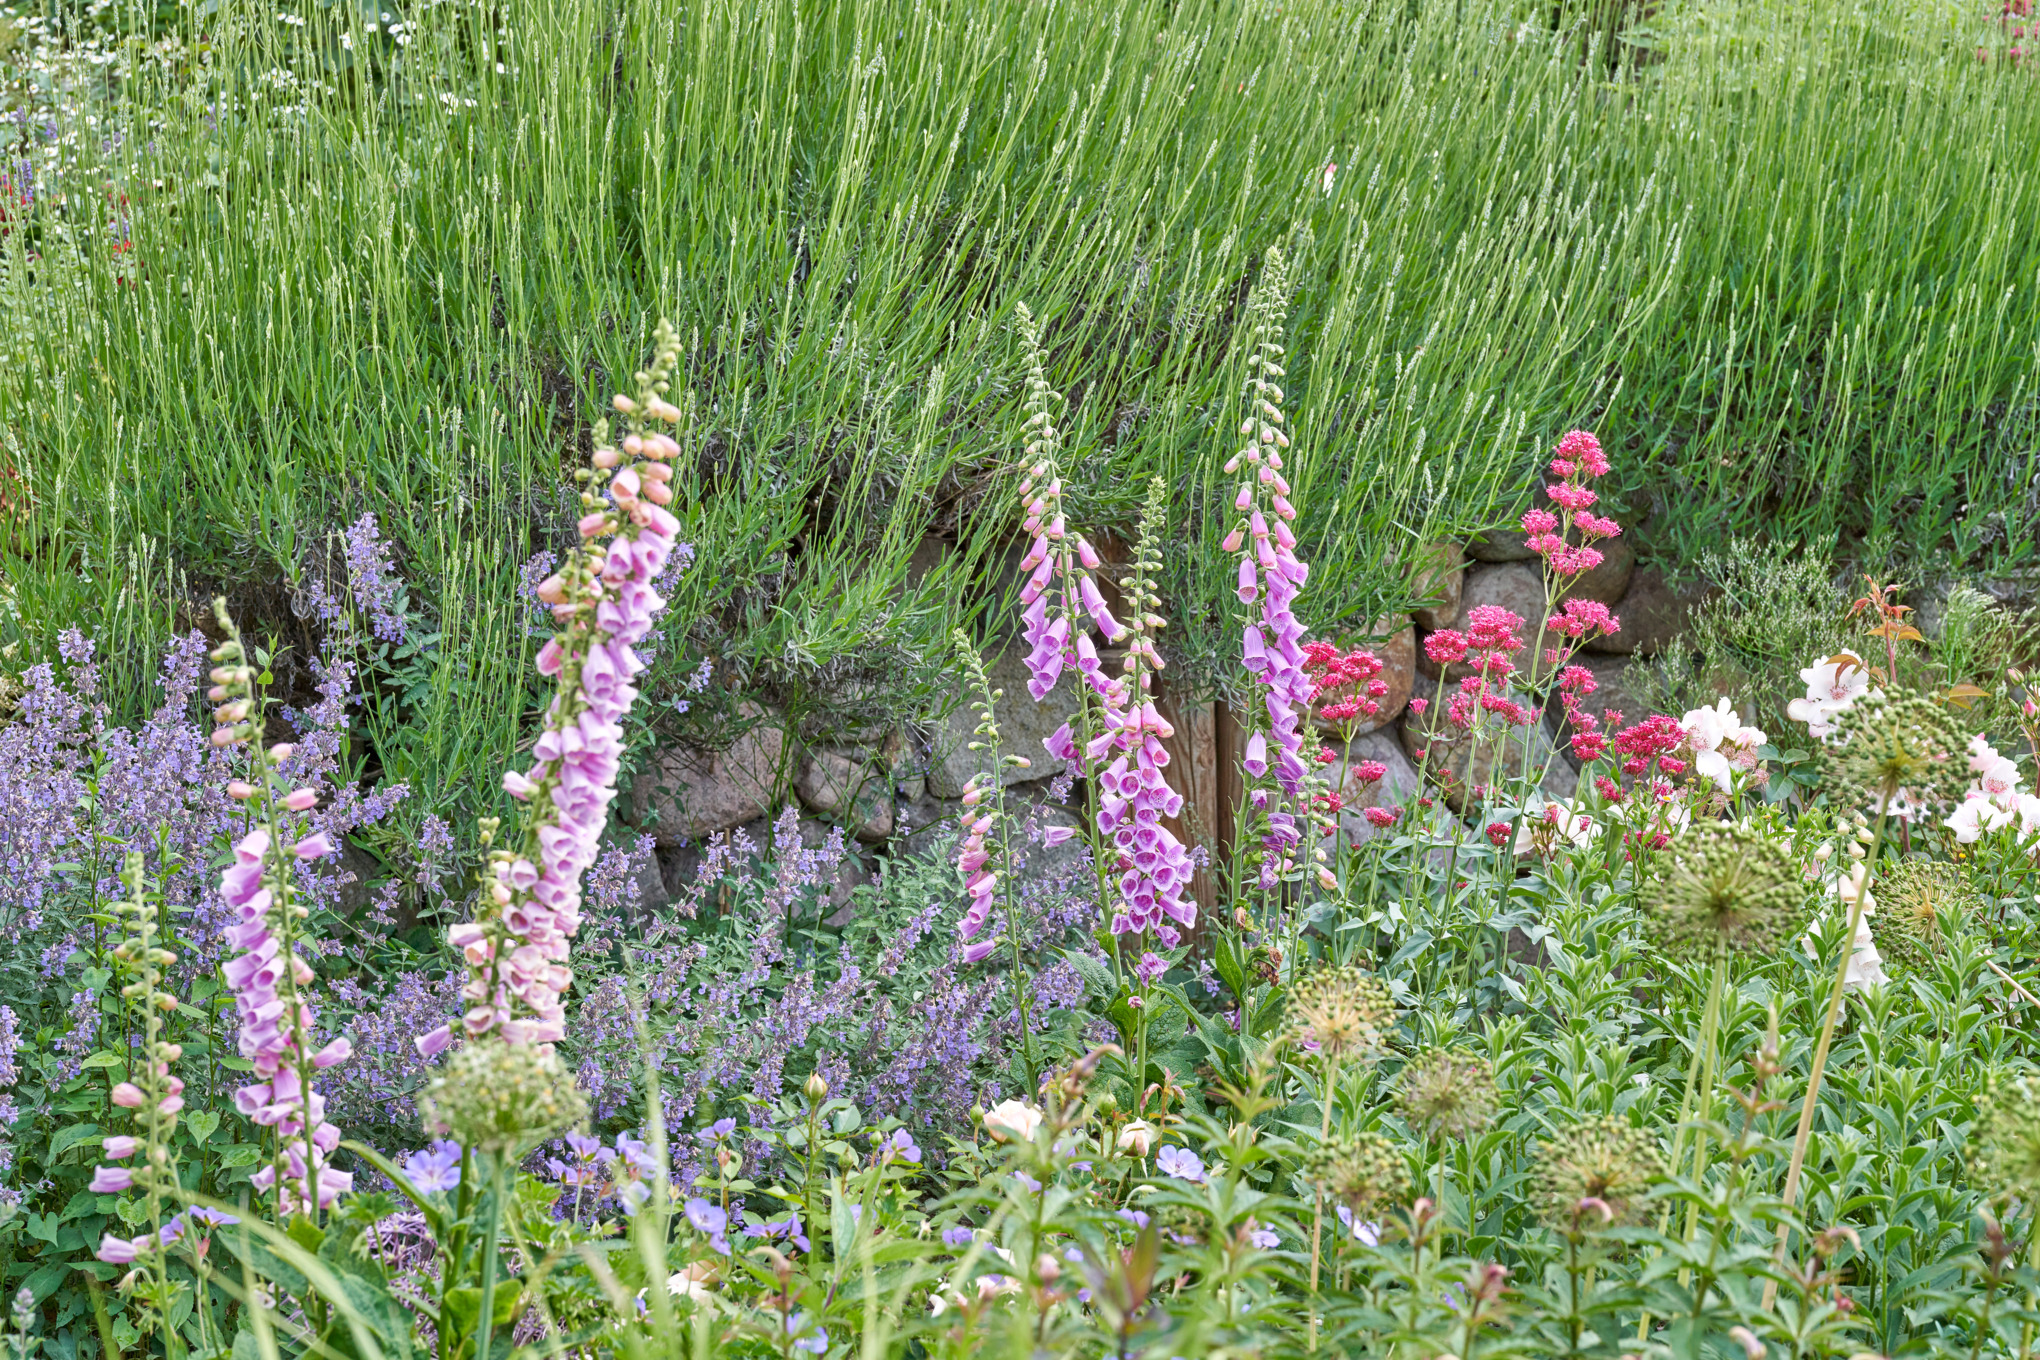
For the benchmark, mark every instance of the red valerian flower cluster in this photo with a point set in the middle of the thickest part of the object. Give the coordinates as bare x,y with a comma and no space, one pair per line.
1346,687
1577,460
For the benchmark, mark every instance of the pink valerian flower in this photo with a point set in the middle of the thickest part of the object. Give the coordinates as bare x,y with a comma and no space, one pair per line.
1493,628
1380,817
1346,686
517,948
1446,646
1649,742
1583,621
1565,540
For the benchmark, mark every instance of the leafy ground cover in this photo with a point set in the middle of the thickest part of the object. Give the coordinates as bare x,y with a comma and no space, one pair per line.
1628,1075
1153,336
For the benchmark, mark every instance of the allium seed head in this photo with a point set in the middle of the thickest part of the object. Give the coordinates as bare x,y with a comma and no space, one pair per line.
1362,1172
1449,1092
1343,1011
1894,741
1605,1160
1725,888
2004,1144
503,1097
1919,901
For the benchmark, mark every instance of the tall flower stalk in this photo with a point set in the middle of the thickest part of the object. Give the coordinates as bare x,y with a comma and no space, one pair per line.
1060,603
155,1096
1270,576
602,601
987,839
267,974
1886,750
1135,796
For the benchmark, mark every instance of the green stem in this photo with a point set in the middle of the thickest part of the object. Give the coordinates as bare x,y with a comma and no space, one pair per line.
1317,1210
1804,1135
486,1324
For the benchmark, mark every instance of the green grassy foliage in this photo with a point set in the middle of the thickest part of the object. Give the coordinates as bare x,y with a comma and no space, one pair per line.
1778,264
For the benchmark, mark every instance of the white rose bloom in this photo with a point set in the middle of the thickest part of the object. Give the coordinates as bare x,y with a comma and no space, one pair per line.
1012,1120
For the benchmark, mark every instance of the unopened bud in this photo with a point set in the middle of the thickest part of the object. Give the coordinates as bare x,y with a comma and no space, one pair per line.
817,1089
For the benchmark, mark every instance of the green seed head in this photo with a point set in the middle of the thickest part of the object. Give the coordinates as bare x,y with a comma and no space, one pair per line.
1449,1092
502,1098
1724,888
1594,1174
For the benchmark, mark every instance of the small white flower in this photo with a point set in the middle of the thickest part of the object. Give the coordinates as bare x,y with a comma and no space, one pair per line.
1831,686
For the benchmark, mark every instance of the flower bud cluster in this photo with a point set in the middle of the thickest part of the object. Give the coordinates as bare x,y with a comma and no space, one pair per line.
981,817
1576,461
1060,591
154,1094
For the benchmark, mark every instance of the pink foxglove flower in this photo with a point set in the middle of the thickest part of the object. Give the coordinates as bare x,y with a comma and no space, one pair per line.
517,948
267,974
1271,576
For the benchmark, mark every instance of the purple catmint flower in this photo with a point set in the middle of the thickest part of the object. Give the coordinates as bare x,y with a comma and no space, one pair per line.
377,589
603,602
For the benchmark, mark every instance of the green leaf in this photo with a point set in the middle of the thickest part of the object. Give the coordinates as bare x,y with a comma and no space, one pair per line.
69,1137
1097,977
465,1304
103,1059
202,1125
43,1281
241,1154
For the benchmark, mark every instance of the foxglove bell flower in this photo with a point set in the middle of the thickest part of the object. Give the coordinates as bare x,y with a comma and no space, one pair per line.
1060,595
517,949
1271,576
267,975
